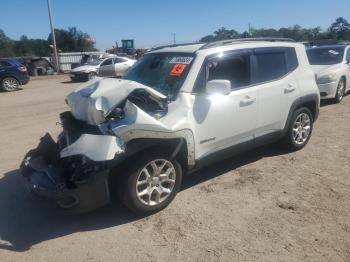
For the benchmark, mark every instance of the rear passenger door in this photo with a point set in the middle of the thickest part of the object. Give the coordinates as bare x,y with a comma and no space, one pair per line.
277,87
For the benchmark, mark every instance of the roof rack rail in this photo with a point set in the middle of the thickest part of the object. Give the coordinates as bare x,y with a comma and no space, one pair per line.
239,40
173,45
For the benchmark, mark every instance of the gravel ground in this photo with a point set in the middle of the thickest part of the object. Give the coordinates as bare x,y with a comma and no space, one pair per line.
265,205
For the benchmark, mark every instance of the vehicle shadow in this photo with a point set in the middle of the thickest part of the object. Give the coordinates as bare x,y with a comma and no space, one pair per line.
326,102
68,82
26,220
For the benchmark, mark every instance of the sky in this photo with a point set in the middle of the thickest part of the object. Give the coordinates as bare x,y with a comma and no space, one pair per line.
153,22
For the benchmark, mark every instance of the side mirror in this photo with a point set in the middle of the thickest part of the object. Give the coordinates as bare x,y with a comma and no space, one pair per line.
222,87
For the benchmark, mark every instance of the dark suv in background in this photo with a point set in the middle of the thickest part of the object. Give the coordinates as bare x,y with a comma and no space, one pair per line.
12,74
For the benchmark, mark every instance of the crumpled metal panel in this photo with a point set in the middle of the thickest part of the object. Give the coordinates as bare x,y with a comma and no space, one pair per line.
92,101
95,147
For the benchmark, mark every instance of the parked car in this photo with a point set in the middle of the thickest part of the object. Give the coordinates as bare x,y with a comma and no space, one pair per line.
112,66
88,58
115,67
332,67
179,108
12,74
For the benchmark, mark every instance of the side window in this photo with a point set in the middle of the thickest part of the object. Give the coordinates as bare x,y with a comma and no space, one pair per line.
292,60
271,65
235,68
107,62
119,60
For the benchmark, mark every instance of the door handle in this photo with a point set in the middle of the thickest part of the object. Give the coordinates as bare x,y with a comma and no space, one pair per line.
247,101
290,88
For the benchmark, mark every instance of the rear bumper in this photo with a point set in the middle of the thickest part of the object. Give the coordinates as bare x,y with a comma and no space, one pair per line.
47,175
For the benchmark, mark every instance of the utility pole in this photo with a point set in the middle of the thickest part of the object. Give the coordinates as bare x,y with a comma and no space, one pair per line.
249,29
57,65
174,38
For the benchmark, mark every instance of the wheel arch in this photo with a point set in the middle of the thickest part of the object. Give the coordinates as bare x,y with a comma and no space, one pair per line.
13,76
174,148
345,80
310,101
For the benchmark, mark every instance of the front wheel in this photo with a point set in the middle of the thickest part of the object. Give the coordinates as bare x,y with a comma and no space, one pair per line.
150,184
340,91
299,129
91,75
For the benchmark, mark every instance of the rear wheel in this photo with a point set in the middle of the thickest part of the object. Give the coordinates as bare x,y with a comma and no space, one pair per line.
300,129
150,184
340,91
9,84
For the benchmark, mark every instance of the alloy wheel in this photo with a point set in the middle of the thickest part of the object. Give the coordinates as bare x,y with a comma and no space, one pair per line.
301,128
10,84
340,90
155,182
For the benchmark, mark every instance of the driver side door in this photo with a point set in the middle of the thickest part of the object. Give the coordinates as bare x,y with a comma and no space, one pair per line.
106,68
225,122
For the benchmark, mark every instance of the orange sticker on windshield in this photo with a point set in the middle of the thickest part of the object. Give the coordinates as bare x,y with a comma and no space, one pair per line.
178,69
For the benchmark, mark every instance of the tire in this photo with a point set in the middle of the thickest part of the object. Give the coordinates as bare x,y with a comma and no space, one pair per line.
340,91
143,199
299,129
91,75
9,84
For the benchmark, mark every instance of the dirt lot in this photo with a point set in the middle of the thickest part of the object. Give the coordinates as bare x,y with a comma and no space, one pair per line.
262,206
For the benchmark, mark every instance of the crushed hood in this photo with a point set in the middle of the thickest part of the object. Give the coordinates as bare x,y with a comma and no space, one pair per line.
94,100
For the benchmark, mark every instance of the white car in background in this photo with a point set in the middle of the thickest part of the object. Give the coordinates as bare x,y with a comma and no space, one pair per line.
113,66
331,65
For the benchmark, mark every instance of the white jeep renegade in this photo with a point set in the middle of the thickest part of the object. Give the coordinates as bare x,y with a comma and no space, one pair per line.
178,108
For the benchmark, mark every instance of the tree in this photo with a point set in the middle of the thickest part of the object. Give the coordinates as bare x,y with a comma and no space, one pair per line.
72,40
5,45
340,29
221,34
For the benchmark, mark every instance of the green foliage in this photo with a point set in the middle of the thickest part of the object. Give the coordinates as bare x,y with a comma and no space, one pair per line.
71,40
339,30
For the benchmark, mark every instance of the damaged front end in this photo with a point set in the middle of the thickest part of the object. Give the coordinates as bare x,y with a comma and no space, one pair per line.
109,121
74,171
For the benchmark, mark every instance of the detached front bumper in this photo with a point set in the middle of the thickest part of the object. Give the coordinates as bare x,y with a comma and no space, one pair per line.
81,189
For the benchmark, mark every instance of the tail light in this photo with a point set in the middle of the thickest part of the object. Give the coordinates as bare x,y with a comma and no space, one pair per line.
22,69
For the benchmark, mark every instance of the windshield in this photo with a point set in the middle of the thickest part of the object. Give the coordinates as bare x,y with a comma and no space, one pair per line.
325,55
95,62
164,72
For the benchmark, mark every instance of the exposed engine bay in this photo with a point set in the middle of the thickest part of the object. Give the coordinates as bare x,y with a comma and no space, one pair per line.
151,105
